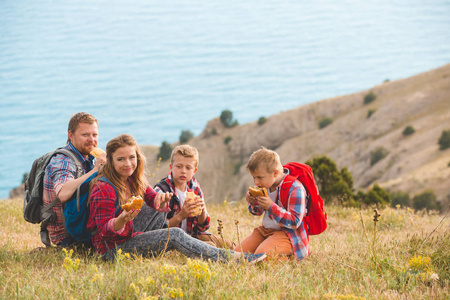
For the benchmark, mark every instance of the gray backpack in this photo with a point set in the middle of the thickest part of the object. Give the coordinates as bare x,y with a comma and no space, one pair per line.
34,210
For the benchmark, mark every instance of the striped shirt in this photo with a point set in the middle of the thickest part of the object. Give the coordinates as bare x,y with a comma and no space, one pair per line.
290,218
59,171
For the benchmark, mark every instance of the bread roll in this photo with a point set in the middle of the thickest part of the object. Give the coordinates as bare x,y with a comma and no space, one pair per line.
133,203
190,197
256,191
96,152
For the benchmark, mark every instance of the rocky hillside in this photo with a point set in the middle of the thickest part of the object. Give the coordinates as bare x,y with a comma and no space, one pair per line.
413,163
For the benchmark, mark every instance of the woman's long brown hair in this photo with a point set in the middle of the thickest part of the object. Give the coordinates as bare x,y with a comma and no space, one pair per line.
137,181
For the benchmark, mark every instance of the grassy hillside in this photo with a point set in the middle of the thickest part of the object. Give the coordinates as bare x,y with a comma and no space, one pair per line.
404,256
413,163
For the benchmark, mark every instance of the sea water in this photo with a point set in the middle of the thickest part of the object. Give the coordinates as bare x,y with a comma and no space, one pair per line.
155,68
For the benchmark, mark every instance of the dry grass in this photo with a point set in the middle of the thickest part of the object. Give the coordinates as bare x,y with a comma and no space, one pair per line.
340,267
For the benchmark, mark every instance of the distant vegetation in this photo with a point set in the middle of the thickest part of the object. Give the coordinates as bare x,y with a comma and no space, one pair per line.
185,136
25,176
370,97
337,186
377,155
262,120
226,117
227,139
325,122
165,151
400,198
422,201
408,130
334,185
426,200
444,140
370,112
376,196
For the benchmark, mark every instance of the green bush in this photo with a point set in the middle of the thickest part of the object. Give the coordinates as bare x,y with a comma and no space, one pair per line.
227,139
425,200
444,140
185,136
214,131
333,185
408,130
262,120
369,97
370,112
400,198
165,151
25,176
377,155
226,117
376,196
325,122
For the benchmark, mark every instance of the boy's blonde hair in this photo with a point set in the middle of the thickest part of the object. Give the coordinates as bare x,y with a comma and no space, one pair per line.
268,159
186,151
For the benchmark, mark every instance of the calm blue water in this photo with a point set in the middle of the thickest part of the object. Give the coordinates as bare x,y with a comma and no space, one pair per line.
155,68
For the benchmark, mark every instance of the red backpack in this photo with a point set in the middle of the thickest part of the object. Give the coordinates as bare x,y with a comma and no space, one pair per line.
316,217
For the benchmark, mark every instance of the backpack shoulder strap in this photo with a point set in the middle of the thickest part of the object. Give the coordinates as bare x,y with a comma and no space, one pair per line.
74,158
117,195
163,185
285,188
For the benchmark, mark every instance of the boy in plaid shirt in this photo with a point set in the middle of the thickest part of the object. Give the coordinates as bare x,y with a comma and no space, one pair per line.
180,180
282,232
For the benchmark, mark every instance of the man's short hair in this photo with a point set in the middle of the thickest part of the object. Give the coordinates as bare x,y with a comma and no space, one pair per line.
186,151
268,159
78,118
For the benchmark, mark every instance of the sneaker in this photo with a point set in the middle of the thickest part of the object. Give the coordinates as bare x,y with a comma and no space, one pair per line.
253,258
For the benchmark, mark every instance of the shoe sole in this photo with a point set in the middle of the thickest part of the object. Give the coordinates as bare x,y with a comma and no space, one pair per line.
259,259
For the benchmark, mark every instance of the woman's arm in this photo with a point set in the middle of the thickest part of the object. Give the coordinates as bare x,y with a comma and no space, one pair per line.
158,201
102,206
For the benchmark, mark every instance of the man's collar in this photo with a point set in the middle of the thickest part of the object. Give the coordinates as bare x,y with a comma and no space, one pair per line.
80,157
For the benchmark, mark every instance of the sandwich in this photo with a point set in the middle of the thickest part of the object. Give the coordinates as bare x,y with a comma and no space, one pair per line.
133,203
256,191
190,197
96,152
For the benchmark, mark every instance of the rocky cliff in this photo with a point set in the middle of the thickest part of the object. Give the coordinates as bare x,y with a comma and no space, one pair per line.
413,163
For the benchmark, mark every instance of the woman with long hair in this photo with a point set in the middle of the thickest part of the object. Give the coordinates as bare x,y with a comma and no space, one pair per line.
122,177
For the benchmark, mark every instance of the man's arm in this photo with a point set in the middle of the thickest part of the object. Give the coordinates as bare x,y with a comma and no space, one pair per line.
71,186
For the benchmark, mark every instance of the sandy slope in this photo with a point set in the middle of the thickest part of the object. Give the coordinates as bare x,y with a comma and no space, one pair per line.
414,163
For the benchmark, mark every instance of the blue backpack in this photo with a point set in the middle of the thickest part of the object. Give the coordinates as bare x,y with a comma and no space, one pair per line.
76,211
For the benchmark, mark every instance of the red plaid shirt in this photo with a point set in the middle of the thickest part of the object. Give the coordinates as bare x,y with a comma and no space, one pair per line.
193,227
102,206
